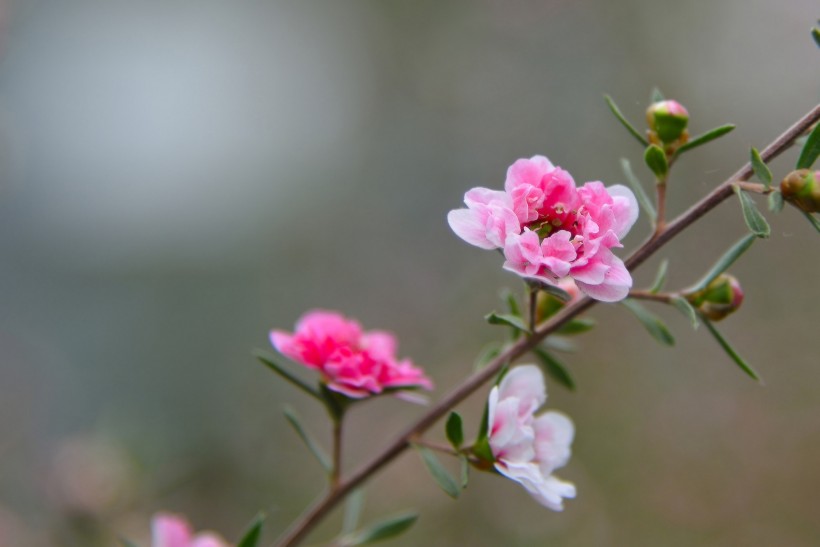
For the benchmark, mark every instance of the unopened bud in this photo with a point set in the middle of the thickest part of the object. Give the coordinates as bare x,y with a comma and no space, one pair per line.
668,120
801,188
721,297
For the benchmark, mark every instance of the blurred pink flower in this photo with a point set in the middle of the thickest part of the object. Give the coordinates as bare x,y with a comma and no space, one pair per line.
351,361
174,531
526,448
549,229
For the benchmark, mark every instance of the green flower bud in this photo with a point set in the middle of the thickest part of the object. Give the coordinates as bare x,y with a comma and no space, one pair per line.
667,122
720,298
801,188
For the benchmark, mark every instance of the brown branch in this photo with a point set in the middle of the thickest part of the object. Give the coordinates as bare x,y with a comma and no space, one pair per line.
301,527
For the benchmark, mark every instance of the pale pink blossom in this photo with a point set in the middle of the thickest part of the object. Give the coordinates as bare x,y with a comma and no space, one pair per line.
351,361
526,448
174,531
561,230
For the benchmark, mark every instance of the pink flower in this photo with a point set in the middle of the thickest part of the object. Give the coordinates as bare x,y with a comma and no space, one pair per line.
174,531
549,229
526,448
351,361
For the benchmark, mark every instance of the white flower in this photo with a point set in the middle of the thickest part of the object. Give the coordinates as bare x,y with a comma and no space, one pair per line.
527,449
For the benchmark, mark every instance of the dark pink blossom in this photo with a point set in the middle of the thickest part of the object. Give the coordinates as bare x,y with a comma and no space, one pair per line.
351,361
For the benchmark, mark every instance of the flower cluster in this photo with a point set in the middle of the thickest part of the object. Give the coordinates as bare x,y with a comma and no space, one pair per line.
173,531
526,448
351,361
549,229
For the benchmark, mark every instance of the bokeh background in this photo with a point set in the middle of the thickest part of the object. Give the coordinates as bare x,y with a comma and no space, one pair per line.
176,178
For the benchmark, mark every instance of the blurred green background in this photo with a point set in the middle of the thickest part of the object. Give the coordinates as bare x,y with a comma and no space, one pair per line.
177,178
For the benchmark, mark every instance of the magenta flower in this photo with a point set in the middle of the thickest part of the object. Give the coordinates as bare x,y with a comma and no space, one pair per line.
174,531
350,361
549,229
526,448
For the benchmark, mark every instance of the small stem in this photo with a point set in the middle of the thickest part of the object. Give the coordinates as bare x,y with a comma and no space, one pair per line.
336,471
444,449
755,187
647,295
660,222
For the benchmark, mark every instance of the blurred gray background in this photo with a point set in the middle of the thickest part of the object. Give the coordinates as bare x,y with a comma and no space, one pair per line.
177,178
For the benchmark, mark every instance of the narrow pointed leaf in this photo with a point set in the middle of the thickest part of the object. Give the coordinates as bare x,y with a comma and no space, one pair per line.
557,292
251,536
706,137
660,278
442,477
353,511
775,202
686,309
560,343
511,301
655,159
385,529
656,96
730,351
810,151
815,33
651,322
577,326
761,169
725,261
617,112
465,471
813,220
268,361
455,430
755,221
640,193
488,353
554,368
507,319
312,445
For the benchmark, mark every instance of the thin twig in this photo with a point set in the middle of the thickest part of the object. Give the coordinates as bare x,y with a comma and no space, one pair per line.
647,295
302,526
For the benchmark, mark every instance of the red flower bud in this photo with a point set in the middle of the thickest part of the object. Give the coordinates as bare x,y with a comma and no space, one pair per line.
801,188
720,298
667,121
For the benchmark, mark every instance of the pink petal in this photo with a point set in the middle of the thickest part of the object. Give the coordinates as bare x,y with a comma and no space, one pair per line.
526,383
625,207
170,531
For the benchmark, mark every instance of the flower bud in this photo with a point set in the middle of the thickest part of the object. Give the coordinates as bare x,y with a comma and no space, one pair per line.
721,297
801,188
667,120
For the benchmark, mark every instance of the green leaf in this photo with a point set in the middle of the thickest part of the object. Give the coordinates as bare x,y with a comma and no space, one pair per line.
385,529
488,353
254,531
353,511
557,292
507,319
815,33
640,193
651,322
577,326
511,301
656,95
616,111
814,222
776,202
465,471
560,343
442,477
482,449
706,137
761,169
554,368
268,361
725,261
455,430
683,305
810,151
730,351
655,159
660,277
312,445
755,221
